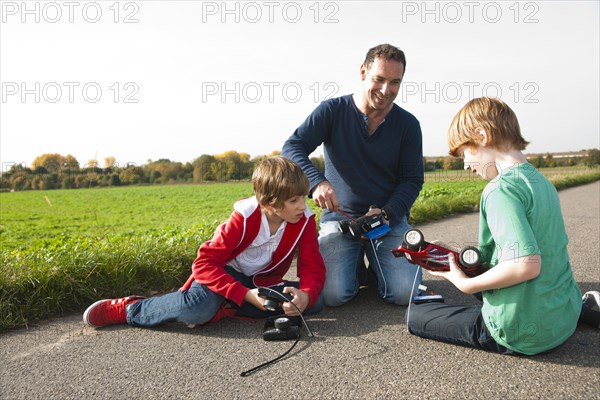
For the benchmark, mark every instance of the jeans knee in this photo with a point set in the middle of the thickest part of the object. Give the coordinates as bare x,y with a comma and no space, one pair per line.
399,299
336,299
194,316
330,302
318,307
199,305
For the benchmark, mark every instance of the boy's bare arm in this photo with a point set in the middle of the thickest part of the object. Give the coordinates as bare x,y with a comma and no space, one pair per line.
253,298
505,274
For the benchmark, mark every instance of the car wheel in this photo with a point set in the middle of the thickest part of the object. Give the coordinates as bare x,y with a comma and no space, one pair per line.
387,212
469,257
413,239
343,226
354,229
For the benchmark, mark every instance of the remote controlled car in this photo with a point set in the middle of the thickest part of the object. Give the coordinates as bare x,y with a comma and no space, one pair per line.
434,257
371,226
282,327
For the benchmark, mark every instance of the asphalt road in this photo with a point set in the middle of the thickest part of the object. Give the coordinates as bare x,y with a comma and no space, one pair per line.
360,350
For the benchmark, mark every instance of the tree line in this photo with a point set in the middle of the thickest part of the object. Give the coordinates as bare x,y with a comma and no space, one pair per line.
55,171
588,158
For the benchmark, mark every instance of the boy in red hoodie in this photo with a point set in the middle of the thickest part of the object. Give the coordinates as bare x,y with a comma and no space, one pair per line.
253,248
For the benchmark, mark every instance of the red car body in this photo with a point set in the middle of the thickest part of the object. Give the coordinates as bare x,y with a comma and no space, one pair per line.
435,258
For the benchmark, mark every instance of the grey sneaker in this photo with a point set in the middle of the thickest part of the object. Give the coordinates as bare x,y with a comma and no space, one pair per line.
590,309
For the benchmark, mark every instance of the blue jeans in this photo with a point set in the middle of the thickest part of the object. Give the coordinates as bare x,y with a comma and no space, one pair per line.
456,324
198,305
344,256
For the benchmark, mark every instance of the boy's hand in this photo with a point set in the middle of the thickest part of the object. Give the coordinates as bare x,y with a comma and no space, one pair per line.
253,298
455,275
300,300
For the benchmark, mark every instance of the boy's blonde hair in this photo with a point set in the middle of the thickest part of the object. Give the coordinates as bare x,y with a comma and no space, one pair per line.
278,179
493,115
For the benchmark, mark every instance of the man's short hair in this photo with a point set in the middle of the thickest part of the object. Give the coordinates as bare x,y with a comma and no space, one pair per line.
491,114
278,179
386,51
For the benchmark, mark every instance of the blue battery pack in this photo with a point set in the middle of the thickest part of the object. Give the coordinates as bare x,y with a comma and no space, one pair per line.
430,298
379,231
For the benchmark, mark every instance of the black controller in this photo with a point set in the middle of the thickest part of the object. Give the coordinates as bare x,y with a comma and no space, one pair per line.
273,299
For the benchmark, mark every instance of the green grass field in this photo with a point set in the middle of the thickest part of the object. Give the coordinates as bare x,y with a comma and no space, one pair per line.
63,249
40,218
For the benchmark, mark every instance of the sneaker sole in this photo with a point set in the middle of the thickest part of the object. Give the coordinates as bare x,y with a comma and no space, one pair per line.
86,314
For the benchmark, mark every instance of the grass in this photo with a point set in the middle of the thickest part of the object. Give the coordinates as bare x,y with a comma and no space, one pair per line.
43,218
64,249
67,277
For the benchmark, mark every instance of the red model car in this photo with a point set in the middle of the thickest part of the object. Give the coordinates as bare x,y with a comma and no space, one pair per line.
435,258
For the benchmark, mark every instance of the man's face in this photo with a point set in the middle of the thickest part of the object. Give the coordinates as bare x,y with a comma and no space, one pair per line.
381,83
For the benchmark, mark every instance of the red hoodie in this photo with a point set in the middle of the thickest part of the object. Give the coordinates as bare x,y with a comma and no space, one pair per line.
237,233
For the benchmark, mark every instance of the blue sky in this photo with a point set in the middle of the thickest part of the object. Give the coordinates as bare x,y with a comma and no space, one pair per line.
140,80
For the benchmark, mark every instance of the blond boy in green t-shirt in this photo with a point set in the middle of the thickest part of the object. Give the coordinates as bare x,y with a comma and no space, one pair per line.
531,302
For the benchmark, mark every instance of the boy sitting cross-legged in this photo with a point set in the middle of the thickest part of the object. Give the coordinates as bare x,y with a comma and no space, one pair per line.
531,302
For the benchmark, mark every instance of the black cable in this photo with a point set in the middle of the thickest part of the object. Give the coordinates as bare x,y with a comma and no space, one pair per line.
252,370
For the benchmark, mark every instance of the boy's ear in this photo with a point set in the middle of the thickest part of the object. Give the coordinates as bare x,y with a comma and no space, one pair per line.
484,136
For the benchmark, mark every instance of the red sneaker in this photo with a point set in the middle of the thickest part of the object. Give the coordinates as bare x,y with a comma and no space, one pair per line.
108,312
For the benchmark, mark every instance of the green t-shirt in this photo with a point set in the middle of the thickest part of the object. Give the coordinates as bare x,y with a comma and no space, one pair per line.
520,216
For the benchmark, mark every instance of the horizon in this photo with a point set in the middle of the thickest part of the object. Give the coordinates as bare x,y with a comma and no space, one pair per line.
567,154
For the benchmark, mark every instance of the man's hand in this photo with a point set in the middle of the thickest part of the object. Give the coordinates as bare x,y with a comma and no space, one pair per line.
375,211
325,197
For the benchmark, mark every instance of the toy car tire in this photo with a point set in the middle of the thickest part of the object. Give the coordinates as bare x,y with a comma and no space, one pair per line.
354,229
387,212
343,226
413,239
469,257
282,323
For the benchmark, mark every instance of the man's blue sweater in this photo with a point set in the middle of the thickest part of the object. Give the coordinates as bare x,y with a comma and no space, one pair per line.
385,168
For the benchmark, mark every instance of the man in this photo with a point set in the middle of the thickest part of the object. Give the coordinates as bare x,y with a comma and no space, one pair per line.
373,157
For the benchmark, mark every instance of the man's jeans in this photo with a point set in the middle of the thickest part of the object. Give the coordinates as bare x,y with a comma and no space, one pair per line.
198,305
344,256
462,325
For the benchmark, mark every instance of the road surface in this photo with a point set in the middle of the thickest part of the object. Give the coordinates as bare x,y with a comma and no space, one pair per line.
361,350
